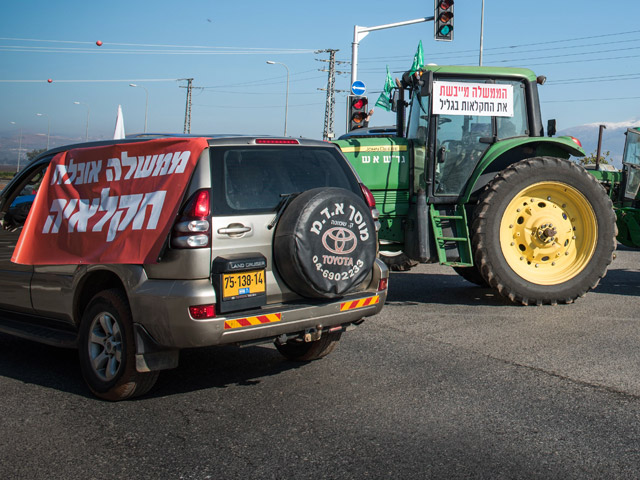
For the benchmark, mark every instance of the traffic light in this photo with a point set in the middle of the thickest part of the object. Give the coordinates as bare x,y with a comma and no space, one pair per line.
443,20
357,111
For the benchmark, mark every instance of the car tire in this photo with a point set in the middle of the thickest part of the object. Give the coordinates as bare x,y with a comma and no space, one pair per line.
107,349
300,351
325,243
397,261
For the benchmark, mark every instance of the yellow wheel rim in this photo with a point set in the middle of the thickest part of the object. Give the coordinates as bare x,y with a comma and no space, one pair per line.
548,233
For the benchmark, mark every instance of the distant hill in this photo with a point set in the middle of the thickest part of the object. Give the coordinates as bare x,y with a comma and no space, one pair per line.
9,145
613,138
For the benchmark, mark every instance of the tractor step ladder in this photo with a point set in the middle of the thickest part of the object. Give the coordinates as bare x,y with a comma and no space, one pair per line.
451,235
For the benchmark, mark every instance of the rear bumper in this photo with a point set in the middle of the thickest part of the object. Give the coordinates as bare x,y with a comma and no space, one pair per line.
166,313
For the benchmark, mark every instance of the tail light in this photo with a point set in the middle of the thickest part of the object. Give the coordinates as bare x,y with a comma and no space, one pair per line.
368,196
202,312
193,227
371,202
383,284
277,141
576,141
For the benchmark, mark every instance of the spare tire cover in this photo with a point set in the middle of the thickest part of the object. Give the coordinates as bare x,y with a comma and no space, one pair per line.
325,243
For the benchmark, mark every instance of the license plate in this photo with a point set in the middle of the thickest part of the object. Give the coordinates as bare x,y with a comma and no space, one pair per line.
243,284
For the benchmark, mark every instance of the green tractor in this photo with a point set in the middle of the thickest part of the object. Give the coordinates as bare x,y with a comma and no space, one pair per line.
624,190
469,180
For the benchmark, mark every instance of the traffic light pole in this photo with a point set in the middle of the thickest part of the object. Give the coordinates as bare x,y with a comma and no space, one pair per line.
360,32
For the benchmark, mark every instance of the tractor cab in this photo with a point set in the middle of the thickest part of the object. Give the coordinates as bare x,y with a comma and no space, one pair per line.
462,115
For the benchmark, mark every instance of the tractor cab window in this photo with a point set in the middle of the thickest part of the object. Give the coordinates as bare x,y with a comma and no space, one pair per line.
458,150
631,163
419,120
469,116
516,126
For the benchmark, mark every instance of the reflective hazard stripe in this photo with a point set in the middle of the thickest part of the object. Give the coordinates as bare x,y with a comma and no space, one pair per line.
251,321
363,302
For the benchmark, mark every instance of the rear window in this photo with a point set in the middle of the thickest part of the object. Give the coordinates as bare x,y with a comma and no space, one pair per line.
253,179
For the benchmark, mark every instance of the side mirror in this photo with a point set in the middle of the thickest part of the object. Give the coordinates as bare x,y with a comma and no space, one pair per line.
427,84
395,95
551,127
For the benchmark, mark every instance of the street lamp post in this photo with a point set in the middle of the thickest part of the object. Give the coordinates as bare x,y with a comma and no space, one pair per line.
19,148
286,101
48,125
86,136
146,105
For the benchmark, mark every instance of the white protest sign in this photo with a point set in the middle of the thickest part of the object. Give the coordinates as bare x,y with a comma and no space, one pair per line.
462,98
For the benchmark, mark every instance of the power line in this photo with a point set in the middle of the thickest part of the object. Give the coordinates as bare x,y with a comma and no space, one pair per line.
156,52
95,81
256,106
589,100
599,79
551,42
577,61
108,44
259,82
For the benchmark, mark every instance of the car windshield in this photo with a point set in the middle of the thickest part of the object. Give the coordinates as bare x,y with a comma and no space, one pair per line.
251,179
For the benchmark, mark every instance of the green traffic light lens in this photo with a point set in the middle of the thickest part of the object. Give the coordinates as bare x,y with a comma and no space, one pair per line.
445,29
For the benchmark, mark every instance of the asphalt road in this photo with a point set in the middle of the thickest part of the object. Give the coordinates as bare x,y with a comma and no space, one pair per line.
449,381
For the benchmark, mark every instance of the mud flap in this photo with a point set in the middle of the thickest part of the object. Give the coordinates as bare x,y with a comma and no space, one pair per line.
418,243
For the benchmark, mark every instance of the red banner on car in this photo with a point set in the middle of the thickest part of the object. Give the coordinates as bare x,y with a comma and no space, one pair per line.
111,204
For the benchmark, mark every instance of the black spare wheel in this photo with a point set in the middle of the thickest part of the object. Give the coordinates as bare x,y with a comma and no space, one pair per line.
325,243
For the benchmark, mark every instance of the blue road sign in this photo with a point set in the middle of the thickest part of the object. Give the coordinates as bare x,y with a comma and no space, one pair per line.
358,88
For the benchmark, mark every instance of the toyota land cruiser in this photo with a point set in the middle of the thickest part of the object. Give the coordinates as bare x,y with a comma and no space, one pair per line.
266,240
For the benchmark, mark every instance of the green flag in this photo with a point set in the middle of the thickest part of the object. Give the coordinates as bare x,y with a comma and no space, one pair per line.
418,60
384,100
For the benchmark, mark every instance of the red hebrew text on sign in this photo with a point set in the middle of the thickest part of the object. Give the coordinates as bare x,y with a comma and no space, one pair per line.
482,99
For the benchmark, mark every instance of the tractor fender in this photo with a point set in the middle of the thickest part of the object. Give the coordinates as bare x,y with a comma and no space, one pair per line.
507,152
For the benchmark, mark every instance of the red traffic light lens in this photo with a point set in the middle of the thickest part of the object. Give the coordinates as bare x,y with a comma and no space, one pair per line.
358,104
444,4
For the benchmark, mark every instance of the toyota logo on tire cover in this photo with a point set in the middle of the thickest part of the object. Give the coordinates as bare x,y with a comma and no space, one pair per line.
325,243
339,240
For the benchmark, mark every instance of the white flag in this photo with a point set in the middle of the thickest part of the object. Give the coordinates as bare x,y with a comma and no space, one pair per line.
119,131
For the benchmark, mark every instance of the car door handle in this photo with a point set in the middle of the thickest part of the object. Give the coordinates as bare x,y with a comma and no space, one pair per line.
234,229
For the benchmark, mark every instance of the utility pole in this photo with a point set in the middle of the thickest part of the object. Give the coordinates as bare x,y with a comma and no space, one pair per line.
187,113
329,111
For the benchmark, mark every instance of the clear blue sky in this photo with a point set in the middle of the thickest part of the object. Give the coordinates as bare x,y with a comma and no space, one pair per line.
590,56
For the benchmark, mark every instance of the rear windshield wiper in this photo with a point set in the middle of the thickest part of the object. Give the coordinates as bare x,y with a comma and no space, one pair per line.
286,198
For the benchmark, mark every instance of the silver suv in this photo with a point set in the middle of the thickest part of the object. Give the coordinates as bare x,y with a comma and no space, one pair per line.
273,240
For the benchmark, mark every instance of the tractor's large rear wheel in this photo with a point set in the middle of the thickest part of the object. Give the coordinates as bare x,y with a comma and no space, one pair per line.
543,232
